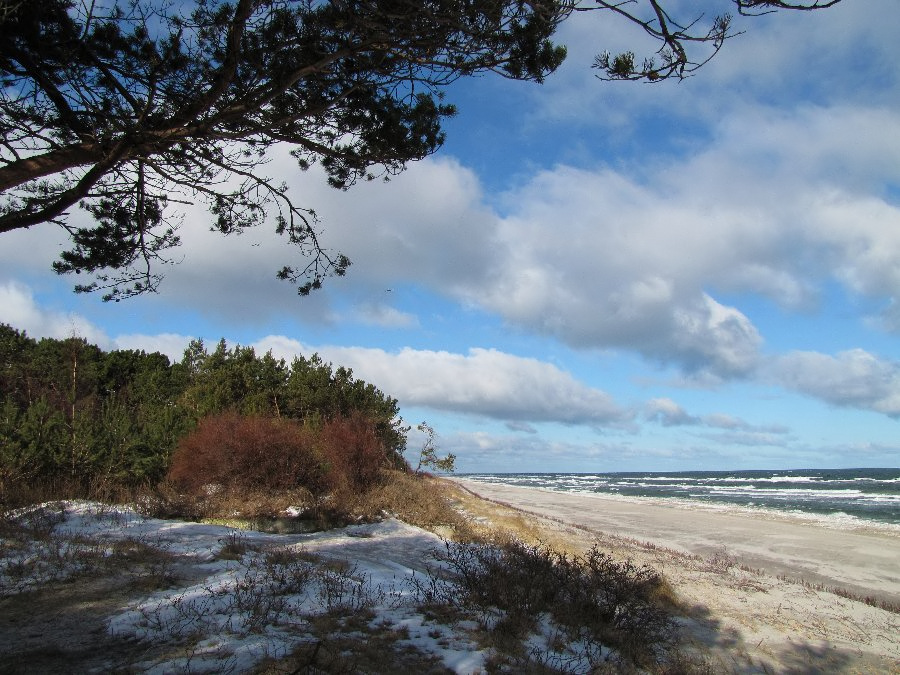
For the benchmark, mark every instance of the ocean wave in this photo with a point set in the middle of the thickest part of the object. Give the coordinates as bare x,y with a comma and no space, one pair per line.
848,497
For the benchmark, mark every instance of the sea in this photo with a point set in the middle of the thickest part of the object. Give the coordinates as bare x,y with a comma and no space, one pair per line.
839,497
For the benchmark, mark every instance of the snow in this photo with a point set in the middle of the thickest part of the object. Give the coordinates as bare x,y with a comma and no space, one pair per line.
251,594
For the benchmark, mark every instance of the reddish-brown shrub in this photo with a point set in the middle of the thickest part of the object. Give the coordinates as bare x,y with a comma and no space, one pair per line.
355,454
249,453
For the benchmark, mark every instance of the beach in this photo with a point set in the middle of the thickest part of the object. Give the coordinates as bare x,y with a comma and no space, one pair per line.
761,589
864,561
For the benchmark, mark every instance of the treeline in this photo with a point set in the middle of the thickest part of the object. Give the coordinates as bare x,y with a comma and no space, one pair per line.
71,413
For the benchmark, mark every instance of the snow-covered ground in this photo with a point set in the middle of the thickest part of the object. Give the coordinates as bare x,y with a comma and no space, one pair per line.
118,591
249,595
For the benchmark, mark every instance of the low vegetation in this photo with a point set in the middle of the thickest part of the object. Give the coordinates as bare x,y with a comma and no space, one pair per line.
527,607
542,607
246,442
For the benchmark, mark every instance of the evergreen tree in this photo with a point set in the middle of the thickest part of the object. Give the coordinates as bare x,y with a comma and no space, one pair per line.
119,106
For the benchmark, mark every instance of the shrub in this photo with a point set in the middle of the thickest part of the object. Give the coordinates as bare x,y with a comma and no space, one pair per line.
248,453
355,454
593,600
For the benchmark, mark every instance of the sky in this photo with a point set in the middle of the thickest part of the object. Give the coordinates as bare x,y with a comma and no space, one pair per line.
590,276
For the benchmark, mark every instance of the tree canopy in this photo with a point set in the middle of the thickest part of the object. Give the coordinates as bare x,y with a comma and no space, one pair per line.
130,109
71,412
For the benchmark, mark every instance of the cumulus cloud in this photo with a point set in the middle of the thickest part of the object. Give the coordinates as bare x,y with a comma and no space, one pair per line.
645,257
483,382
19,309
639,259
597,260
427,226
851,379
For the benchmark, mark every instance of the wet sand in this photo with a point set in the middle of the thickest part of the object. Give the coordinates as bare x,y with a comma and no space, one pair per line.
865,562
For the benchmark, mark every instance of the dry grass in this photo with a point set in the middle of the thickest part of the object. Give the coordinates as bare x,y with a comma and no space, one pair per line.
880,603
354,644
525,583
34,555
416,500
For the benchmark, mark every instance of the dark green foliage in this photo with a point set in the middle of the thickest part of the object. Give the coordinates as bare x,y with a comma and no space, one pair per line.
73,414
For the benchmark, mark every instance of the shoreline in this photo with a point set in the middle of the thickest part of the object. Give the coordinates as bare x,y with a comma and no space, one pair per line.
862,561
833,521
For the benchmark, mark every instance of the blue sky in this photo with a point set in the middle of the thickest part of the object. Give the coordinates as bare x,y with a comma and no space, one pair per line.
592,276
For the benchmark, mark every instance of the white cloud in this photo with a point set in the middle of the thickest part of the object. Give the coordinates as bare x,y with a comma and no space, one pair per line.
636,261
483,382
640,260
668,413
851,379
484,451
846,52
19,309
777,206
597,260
748,438
642,257
523,427
735,431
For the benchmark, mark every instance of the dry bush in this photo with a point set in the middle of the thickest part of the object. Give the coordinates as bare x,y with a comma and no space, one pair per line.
247,466
35,553
354,643
167,500
230,451
592,600
355,454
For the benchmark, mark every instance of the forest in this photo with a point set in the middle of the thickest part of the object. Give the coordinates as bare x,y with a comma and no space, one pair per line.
76,419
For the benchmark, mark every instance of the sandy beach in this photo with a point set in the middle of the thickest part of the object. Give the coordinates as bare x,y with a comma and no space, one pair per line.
865,562
757,585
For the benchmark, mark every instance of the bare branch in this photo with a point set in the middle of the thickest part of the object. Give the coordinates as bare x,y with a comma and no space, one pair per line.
758,7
